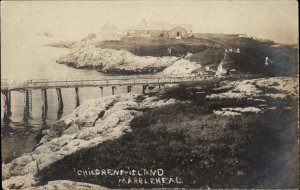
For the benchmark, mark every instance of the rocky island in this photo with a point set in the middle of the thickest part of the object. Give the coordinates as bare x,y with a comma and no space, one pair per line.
232,130
199,55
191,123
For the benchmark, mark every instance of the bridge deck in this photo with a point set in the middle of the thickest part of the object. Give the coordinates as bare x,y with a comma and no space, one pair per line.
47,84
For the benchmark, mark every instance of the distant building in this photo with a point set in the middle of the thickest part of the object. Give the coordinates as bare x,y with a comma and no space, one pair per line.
161,29
111,32
108,32
178,32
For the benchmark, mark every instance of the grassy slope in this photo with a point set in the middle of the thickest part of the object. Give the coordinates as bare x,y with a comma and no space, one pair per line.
210,57
189,141
285,61
252,57
157,46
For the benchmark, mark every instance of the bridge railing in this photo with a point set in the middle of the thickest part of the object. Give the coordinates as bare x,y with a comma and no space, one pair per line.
101,82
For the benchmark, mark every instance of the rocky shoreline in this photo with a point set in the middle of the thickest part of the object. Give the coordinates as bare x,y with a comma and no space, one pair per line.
114,61
116,71
92,123
121,62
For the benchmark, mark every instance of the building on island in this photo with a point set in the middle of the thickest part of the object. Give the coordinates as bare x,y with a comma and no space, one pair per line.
179,32
160,29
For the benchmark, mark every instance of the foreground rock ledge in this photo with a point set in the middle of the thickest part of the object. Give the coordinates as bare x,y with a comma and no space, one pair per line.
92,123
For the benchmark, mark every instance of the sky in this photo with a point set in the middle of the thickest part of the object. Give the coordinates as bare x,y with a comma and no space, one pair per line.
73,20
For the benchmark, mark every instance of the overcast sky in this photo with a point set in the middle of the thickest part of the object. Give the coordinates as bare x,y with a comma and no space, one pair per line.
276,20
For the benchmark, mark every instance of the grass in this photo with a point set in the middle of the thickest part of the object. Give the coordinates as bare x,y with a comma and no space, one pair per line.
210,57
156,47
187,140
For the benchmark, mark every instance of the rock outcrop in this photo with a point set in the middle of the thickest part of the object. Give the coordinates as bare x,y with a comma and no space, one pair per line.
115,61
65,184
181,67
257,90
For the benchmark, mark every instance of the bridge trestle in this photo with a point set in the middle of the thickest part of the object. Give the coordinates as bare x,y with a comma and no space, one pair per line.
58,85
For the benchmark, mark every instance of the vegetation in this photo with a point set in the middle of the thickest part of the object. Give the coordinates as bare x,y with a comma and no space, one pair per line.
156,46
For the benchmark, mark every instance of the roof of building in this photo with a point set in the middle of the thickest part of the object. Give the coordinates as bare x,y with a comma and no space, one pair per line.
110,28
187,27
164,26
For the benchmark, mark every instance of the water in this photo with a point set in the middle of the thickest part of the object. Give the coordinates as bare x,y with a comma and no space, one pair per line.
34,60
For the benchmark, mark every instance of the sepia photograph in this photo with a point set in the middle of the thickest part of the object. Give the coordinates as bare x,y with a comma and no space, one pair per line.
129,94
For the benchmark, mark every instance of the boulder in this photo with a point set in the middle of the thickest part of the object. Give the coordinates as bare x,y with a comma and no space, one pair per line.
72,129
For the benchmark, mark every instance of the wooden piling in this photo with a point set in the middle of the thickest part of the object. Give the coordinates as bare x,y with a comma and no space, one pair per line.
6,104
26,105
145,86
9,104
4,93
30,101
158,81
113,88
101,91
44,103
60,103
129,89
77,102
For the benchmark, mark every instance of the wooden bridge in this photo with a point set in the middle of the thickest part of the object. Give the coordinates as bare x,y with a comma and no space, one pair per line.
43,85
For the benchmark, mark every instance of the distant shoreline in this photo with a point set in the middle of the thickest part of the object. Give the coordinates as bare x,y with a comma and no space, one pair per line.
117,72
